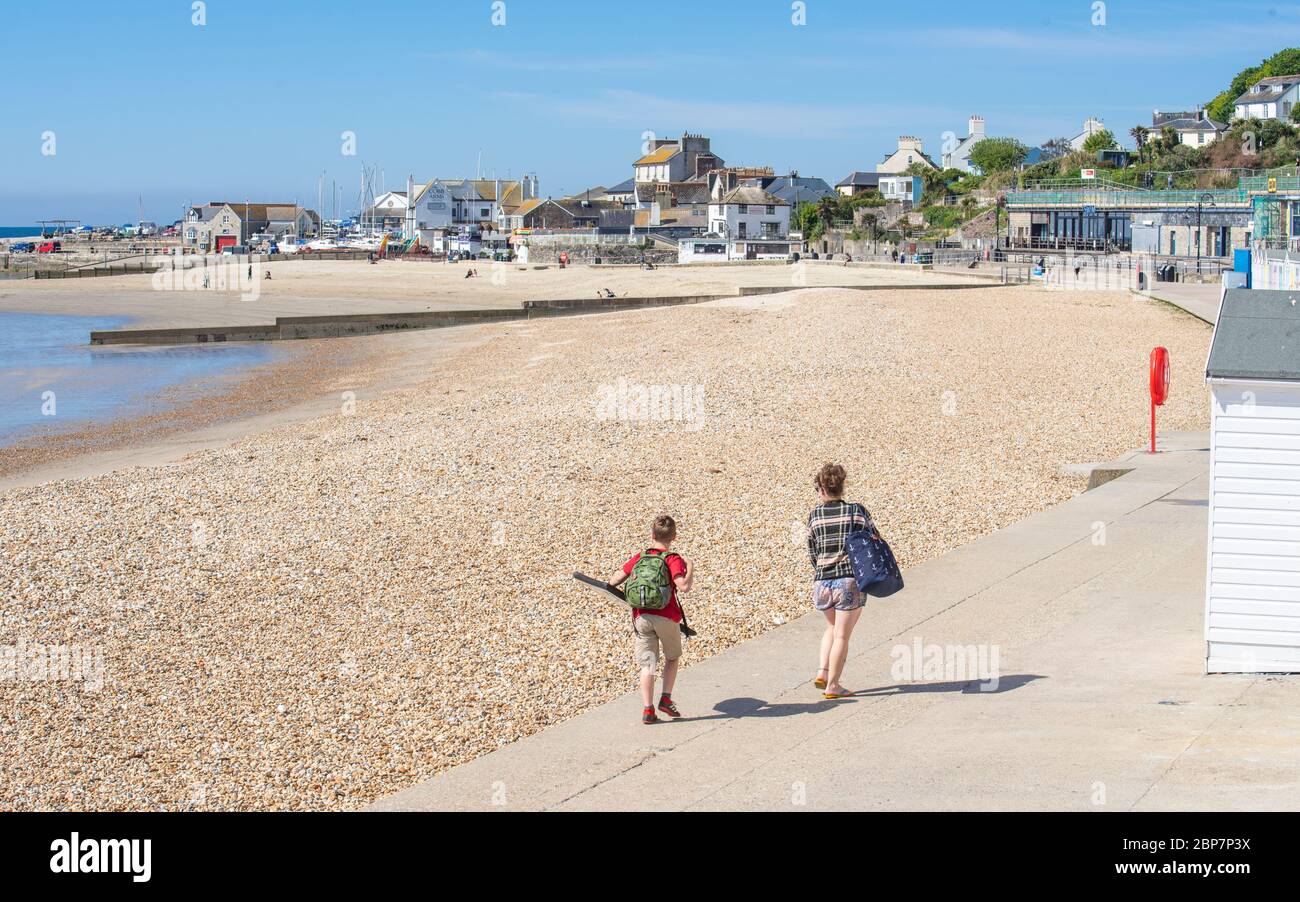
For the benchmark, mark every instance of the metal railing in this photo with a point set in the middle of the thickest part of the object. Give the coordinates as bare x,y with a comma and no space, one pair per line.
1130,198
1259,183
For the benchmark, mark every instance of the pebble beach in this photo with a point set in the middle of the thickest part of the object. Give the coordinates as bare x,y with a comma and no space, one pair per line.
329,611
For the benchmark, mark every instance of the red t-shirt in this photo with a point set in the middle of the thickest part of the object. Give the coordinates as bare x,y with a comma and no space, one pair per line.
676,569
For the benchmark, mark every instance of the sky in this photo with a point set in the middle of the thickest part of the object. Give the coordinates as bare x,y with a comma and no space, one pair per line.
110,109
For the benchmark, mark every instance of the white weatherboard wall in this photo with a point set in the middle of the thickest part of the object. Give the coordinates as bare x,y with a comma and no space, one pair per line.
1252,616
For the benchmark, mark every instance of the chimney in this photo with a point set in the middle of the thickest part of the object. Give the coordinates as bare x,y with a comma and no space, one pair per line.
976,126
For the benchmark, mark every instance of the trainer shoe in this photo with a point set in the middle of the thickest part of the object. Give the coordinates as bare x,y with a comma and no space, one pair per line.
666,705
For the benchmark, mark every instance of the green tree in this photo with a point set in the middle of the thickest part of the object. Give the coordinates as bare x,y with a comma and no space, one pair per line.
967,205
1102,140
1139,134
1284,62
1055,148
828,210
998,154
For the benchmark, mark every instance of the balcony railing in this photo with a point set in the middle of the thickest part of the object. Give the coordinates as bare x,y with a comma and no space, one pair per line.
1109,199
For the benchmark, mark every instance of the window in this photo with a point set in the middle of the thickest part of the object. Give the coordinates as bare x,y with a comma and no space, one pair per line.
744,208
771,209
771,229
744,231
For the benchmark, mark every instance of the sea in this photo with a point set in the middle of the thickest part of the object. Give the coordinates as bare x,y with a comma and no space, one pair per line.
19,231
53,379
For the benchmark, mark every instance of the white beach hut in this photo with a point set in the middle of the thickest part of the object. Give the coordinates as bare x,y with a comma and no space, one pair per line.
1252,607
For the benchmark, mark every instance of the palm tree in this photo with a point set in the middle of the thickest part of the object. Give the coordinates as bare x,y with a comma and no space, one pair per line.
1139,133
967,204
828,208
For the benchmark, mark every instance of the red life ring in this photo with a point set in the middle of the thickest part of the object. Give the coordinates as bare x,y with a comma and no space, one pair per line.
1160,376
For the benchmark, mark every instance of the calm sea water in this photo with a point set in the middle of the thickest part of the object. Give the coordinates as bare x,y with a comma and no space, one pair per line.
51,378
19,231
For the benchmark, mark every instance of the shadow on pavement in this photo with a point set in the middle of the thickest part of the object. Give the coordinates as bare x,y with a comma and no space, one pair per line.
732,708
972,687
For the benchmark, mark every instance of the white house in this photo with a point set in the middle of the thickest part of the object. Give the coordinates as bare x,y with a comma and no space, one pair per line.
1194,128
718,250
909,151
749,212
429,211
676,160
1269,98
958,157
1091,126
906,189
1252,603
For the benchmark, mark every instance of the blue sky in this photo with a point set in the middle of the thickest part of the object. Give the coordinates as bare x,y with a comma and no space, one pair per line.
252,104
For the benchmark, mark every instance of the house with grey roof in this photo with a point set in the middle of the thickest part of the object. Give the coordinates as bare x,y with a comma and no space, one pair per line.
214,226
958,155
1269,98
795,189
749,212
622,193
1194,128
858,182
1252,603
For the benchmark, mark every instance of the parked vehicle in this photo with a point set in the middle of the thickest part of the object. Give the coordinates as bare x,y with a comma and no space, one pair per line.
22,247
49,247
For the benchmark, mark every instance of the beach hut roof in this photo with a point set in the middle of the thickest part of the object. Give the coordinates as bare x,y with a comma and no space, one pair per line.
1257,336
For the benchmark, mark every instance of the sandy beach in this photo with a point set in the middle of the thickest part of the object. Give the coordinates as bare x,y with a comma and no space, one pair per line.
303,288
340,605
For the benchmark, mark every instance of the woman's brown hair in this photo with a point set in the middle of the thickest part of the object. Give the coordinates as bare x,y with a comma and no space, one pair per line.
830,479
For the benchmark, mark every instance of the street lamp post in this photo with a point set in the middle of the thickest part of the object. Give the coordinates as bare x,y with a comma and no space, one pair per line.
1202,201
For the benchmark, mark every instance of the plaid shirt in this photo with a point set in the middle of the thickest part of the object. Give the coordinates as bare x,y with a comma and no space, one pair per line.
829,525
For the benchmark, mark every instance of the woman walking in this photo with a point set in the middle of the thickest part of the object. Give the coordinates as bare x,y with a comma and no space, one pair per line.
835,591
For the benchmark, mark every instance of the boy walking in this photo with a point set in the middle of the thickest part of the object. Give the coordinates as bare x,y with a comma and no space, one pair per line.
654,577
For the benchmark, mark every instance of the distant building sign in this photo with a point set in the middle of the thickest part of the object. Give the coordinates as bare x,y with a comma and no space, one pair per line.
1087,173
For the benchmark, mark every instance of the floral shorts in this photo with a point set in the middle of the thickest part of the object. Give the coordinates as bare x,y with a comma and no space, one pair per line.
840,594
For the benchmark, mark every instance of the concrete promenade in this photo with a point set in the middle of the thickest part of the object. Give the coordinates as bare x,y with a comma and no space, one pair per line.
1095,609
1200,300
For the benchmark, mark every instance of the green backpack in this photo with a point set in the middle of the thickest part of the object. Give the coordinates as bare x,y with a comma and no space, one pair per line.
650,585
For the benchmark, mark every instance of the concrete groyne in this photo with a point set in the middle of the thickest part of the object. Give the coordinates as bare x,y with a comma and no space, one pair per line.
355,324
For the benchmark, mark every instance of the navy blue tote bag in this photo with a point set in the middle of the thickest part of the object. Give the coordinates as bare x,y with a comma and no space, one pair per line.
874,566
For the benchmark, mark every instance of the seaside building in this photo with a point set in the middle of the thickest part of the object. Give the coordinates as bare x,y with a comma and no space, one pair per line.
214,226
910,150
673,174
428,215
676,160
548,214
1194,128
1097,215
1091,126
959,156
622,193
745,223
858,182
1269,98
1252,603
904,189
1275,256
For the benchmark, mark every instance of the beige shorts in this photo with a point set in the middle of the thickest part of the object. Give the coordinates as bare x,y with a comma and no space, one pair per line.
652,631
